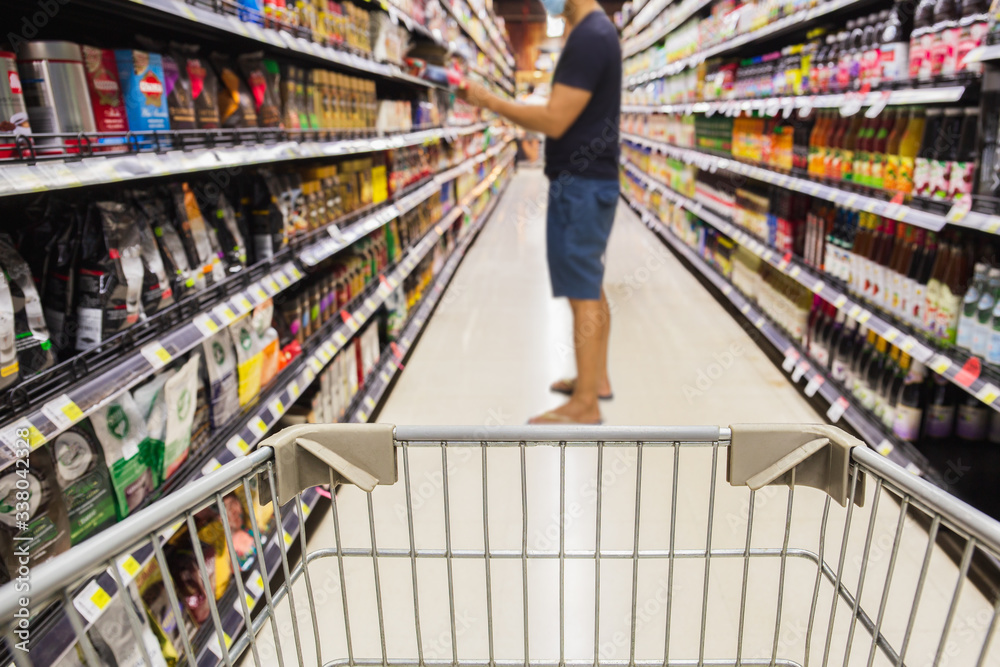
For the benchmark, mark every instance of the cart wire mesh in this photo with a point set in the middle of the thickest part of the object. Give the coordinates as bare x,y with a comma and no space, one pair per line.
618,547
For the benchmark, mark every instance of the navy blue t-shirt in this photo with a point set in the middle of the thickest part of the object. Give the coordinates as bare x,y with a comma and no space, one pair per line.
592,61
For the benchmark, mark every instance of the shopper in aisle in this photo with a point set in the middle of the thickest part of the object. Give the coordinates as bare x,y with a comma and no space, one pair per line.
580,122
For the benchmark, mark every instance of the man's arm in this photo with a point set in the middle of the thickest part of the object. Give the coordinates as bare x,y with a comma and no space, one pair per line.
564,107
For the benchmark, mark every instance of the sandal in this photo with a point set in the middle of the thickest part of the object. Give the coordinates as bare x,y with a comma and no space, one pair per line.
567,385
553,418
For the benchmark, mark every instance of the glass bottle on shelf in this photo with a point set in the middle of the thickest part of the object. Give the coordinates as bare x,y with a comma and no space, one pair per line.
967,321
940,411
972,419
983,321
909,411
894,50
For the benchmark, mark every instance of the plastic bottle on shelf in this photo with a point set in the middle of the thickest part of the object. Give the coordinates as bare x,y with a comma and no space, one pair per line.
920,39
860,169
947,140
967,321
894,50
993,345
982,323
870,43
964,167
923,185
890,170
909,147
945,34
972,29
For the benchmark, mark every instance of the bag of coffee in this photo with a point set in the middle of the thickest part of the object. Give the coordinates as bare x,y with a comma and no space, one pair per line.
84,481
180,391
204,84
248,358
157,293
220,365
290,110
236,105
222,218
267,341
105,92
157,212
9,368
112,638
110,275
151,400
180,99
29,493
34,346
59,285
262,82
195,235
267,223
132,459
141,76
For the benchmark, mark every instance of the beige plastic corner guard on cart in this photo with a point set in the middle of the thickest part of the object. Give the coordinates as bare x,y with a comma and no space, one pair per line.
820,455
304,455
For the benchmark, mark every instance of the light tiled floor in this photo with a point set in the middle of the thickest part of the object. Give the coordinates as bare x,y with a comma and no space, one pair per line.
487,357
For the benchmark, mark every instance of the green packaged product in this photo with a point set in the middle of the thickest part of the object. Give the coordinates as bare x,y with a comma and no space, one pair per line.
180,392
29,493
133,459
84,481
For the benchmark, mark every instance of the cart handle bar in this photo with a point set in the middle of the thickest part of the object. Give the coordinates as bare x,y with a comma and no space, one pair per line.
758,454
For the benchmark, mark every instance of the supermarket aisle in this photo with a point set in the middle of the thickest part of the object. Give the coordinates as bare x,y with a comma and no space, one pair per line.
487,357
499,339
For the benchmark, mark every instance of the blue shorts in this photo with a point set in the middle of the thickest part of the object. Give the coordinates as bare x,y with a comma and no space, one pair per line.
580,216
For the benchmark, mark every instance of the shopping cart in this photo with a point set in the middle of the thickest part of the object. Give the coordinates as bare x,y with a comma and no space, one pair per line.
573,546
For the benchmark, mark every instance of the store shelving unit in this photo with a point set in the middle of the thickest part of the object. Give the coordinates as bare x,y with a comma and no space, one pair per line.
840,196
797,363
795,21
495,50
77,397
933,94
256,421
948,364
209,150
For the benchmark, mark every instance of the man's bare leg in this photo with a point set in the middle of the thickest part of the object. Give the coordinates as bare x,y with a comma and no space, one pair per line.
603,331
591,329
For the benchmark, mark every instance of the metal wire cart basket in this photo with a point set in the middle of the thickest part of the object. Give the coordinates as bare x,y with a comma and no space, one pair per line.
538,546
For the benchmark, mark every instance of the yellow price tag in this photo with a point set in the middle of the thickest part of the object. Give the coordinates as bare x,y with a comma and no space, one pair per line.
277,408
238,446
305,510
818,286
156,355
100,598
940,364
864,317
340,337
745,308
796,270
993,225
370,402
288,539
908,344
885,448
840,302
988,394
206,325
362,415
854,311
